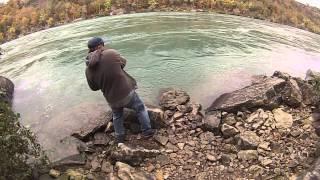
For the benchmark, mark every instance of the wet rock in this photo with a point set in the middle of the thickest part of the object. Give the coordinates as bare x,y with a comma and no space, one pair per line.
171,98
161,139
229,131
126,172
261,94
54,173
6,90
248,140
282,119
247,155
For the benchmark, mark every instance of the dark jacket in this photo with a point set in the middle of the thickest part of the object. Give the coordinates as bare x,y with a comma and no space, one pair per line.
105,72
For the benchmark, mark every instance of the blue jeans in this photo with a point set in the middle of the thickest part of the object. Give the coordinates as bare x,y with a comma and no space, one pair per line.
137,105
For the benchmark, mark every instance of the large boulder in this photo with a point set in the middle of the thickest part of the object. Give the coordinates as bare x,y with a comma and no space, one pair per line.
261,94
268,93
6,90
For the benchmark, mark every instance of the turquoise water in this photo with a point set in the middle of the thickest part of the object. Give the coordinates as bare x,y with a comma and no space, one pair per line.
204,54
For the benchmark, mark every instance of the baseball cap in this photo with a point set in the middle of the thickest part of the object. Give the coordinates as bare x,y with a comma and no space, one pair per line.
94,42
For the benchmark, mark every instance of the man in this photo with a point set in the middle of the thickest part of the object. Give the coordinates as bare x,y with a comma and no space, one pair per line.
105,72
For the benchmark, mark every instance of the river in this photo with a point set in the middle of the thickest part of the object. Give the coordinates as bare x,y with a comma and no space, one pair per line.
204,54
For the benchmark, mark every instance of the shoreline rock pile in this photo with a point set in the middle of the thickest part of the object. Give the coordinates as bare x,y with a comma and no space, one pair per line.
263,131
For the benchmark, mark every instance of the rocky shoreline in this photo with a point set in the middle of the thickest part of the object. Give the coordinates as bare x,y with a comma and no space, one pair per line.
262,131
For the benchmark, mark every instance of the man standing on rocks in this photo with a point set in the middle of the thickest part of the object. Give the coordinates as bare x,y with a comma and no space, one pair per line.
105,72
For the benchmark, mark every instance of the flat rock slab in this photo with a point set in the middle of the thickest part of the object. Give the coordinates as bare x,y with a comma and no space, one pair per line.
92,126
74,160
262,94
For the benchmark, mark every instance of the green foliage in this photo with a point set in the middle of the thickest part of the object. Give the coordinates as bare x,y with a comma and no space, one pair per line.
108,4
24,16
17,146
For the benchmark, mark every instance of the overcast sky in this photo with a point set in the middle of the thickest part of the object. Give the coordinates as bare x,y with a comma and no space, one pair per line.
310,2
